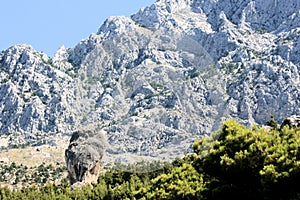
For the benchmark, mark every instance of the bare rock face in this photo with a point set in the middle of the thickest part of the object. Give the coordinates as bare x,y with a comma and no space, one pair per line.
292,121
158,80
83,157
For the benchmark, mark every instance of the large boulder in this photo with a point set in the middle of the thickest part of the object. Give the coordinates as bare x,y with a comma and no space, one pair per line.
83,156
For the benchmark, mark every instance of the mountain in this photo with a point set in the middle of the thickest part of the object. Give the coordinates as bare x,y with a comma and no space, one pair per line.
158,80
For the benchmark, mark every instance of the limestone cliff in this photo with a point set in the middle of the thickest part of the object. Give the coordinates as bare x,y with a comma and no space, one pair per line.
158,80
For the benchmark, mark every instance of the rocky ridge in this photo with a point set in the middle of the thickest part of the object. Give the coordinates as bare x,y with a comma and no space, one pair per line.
158,80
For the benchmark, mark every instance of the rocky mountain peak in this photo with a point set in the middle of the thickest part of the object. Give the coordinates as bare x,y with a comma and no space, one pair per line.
116,25
20,56
160,13
158,80
267,15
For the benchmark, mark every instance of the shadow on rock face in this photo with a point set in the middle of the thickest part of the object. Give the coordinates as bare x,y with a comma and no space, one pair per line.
83,156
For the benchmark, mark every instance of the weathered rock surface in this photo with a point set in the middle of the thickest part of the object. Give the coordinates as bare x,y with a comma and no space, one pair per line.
83,156
158,80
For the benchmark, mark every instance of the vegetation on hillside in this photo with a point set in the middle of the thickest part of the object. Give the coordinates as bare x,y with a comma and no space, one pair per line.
234,163
19,175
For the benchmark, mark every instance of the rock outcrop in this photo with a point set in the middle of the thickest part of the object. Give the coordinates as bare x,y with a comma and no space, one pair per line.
83,156
162,78
292,121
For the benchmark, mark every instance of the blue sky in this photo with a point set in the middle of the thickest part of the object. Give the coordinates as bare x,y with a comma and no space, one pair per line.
48,24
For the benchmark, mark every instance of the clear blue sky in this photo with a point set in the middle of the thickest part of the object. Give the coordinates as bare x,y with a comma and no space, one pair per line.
48,24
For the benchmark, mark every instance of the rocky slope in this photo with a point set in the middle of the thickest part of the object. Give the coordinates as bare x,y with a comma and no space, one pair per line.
158,80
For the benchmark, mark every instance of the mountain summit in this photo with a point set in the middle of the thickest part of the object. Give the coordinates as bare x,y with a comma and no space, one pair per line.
158,80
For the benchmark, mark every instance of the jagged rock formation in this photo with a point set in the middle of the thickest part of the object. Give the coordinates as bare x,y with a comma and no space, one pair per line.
83,156
162,78
32,93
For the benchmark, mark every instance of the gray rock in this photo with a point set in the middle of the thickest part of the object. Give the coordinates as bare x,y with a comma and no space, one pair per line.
83,156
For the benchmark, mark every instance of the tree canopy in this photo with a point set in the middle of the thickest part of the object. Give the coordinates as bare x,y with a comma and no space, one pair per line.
234,163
